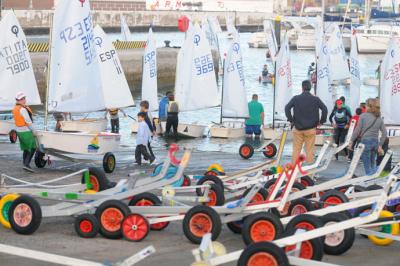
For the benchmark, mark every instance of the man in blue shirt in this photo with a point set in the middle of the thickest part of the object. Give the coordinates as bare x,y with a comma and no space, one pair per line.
163,106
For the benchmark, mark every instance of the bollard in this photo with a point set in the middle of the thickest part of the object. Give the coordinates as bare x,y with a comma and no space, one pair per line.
167,42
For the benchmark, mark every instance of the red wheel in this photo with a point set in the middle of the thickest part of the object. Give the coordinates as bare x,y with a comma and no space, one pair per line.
111,219
13,136
270,150
298,209
262,231
22,215
110,215
332,201
263,254
135,227
246,151
306,250
213,198
257,198
86,225
262,258
94,182
200,224
156,226
305,225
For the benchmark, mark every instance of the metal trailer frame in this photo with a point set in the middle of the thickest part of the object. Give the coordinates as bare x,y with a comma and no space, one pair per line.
379,202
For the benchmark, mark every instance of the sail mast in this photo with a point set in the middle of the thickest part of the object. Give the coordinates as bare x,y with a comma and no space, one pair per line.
46,106
222,90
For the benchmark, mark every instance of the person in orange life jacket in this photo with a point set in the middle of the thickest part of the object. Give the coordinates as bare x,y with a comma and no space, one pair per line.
23,118
114,118
356,118
340,119
172,116
144,108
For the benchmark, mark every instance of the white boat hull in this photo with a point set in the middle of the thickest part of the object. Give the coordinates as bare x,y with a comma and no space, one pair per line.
394,135
187,130
84,125
371,44
79,143
369,81
6,126
228,130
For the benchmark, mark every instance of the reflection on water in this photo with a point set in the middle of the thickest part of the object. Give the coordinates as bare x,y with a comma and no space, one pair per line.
253,61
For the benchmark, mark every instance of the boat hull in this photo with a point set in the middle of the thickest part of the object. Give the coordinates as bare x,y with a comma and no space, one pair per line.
79,143
394,135
371,82
84,125
371,44
187,130
227,131
6,126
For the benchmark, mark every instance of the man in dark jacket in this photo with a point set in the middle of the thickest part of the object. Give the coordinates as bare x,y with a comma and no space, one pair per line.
305,118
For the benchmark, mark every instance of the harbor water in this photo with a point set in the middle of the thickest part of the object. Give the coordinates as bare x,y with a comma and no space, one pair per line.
253,61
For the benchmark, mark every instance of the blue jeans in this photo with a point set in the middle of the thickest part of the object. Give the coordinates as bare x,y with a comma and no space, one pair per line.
369,155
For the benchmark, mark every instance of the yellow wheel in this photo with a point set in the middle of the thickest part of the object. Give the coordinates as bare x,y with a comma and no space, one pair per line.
219,250
216,167
389,229
199,263
90,191
5,204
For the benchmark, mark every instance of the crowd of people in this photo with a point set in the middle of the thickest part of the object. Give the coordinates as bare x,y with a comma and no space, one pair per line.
305,112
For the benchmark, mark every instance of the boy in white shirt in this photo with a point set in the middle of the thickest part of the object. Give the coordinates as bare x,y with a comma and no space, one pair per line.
143,137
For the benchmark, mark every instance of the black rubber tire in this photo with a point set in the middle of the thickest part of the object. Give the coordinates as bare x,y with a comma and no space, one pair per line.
12,135
302,202
316,243
39,160
102,180
208,179
235,227
333,193
145,196
373,187
273,150
245,155
263,247
262,192
88,218
349,234
122,207
261,216
269,184
109,162
36,215
212,215
220,199
313,220
307,181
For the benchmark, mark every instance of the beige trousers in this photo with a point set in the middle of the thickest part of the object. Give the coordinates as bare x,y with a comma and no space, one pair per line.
307,138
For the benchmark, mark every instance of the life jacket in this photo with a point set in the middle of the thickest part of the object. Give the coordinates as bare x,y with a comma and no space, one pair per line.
18,118
173,107
113,111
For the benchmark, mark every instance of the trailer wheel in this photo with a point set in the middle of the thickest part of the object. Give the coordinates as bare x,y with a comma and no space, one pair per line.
312,249
186,181
208,179
304,221
5,204
236,226
269,185
97,179
260,227
270,150
40,160
135,227
392,229
25,215
341,241
149,199
263,253
300,206
13,136
246,151
86,225
307,181
109,162
216,196
199,221
110,214
260,196
333,197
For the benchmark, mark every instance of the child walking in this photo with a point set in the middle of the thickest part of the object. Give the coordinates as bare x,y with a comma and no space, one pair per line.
144,107
142,139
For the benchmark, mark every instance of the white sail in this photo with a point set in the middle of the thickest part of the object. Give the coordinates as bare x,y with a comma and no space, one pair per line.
339,67
115,88
283,85
149,75
319,35
355,82
324,90
390,84
125,32
230,25
16,71
214,24
75,82
211,36
234,100
271,39
195,84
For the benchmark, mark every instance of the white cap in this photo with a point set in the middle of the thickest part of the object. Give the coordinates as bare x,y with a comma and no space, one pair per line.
20,96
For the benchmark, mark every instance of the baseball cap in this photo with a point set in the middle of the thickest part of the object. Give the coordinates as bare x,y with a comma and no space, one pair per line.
20,96
339,102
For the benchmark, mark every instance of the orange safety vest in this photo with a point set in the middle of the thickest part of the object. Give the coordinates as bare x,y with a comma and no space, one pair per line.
18,118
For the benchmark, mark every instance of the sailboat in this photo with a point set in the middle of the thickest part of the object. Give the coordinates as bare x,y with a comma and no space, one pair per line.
389,94
149,76
125,32
195,81
16,72
233,100
82,88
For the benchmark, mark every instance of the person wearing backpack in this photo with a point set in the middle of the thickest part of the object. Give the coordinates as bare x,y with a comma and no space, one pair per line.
368,130
340,119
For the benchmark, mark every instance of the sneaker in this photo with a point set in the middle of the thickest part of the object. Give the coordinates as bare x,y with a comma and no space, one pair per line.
153,162
28,168
137,163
